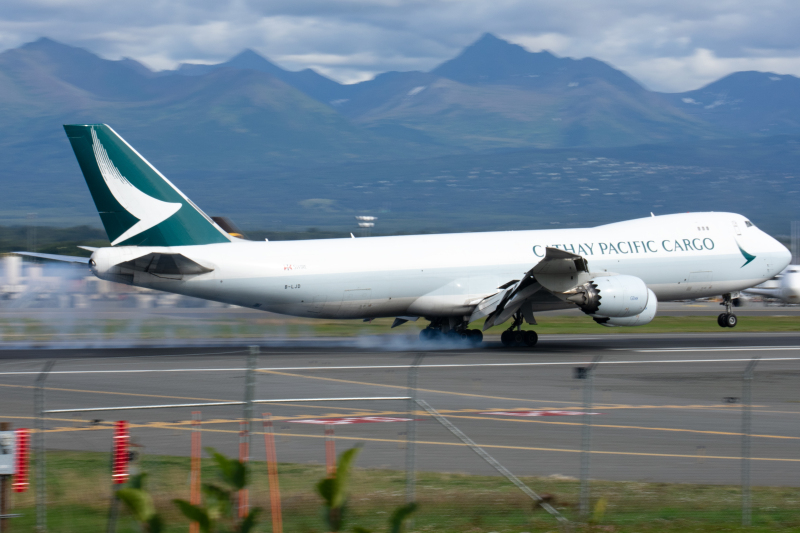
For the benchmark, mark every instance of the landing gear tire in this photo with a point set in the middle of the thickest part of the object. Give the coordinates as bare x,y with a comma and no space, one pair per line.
511,338
474,336
530,338
518,338
507,338
727,320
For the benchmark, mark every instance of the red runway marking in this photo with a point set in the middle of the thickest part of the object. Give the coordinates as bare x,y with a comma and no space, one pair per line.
350,420
538,413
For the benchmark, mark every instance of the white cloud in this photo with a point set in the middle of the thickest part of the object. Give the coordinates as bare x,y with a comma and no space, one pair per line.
675,74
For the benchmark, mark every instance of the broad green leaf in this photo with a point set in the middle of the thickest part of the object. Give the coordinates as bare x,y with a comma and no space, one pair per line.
249,521
137,481
342,478
195,514
155,524
218,500
232,471
138,502
325,489
359,529
400,515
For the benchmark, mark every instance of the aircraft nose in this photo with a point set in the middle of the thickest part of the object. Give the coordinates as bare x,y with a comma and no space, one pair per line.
782,254
786,255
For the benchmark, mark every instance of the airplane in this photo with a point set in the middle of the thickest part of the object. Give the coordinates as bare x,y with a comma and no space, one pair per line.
786,287
615,273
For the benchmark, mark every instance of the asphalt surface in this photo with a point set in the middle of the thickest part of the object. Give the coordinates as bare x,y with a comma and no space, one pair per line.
668,406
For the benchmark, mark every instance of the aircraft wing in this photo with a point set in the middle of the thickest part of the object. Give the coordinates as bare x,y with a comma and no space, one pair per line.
558,271
55,257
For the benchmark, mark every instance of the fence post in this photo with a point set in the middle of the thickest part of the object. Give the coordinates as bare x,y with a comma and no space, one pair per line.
330,451
747,382
5,485
584,505
272,472
41,487
250,388
194,487
244,456
411,430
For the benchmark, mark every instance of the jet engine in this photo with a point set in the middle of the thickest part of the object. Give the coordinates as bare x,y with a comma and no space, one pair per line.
612,296
645,317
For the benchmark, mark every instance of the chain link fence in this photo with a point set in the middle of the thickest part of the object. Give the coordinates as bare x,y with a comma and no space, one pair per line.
480,446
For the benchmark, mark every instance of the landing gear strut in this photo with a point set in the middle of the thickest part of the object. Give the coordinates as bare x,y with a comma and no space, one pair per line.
727,319
514,336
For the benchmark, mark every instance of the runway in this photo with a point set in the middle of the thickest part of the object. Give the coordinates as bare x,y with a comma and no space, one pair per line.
667,406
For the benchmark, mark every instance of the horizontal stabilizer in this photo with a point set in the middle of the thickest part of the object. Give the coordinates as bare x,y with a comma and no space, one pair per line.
55,257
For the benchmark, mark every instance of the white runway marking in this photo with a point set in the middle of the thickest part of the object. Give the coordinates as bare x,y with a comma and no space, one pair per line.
400,367
742,349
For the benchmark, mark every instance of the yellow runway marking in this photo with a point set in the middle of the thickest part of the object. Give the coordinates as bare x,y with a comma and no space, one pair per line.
615,426
404,387
572,406
120,393
174,397
449,413
491,446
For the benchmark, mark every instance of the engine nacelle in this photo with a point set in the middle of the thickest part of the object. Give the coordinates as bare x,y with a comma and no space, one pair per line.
645,317
612,296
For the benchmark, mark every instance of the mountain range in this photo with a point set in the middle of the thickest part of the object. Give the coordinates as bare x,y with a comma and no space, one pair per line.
248,121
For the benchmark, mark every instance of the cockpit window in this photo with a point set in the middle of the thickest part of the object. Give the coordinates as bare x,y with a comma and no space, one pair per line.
748,224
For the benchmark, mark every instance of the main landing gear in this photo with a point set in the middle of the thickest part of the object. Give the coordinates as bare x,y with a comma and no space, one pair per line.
438,331
514,336
727,319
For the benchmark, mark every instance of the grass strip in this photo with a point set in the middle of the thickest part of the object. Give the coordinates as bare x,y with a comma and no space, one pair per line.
79,491
176,328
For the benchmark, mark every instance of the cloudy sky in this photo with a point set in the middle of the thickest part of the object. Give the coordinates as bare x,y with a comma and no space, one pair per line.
668,45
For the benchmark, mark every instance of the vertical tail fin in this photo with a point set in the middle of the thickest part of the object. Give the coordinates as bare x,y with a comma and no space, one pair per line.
137,204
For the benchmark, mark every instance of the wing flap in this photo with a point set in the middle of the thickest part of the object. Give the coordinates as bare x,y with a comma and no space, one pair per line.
558,271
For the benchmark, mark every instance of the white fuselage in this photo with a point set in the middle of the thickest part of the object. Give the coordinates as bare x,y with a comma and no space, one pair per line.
678,256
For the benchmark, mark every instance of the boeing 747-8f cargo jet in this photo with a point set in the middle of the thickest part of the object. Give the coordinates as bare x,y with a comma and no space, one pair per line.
615,273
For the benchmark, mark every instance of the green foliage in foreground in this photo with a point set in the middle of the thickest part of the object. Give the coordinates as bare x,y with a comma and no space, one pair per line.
79,492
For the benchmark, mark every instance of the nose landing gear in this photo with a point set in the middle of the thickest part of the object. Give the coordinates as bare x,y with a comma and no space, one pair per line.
514,336
727,319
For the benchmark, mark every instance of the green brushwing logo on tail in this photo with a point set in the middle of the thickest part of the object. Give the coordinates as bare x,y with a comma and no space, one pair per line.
137,204
748,257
